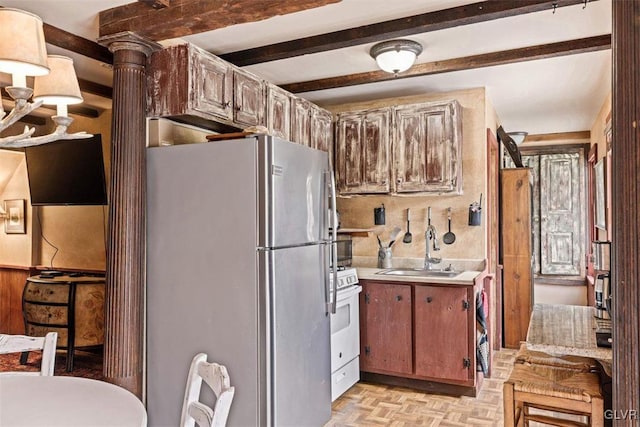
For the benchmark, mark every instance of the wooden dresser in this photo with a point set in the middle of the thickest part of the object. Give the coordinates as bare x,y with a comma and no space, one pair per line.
71,306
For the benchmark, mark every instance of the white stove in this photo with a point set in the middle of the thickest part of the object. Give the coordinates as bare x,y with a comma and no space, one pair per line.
347,277
345,334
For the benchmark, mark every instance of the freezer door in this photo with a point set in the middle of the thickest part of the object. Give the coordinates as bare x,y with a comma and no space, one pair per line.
292,191
300,346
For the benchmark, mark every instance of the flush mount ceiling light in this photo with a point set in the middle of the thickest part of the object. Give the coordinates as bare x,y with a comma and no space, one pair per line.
518,137
396,56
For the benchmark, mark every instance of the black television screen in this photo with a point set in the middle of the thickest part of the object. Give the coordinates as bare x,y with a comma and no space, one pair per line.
67,172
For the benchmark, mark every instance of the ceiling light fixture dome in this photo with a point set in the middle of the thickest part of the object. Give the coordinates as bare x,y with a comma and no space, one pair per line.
396,56
518,137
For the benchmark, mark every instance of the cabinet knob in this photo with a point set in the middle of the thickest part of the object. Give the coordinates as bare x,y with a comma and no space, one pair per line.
238,107
399,181
398,298
384,181
226,104
429,299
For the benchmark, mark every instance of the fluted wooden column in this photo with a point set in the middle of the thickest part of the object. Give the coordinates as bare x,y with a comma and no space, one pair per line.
124,305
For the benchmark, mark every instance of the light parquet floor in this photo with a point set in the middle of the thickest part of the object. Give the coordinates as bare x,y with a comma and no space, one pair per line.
367,404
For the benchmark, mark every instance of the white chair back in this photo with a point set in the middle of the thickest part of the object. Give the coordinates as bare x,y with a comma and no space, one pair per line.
217,378
23,343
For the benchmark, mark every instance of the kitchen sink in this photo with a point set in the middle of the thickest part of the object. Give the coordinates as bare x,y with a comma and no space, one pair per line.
418,272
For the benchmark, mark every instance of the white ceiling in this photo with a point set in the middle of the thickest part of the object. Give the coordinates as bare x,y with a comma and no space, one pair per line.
544,96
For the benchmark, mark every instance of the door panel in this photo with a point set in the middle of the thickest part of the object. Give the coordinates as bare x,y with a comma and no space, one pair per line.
438,311
278,112
301,359
248,99
560,212
295,204
386,336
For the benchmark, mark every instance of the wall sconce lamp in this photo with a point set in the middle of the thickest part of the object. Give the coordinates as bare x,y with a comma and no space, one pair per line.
23,53
518,137
396,56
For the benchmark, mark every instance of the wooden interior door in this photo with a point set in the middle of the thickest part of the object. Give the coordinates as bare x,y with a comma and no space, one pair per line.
561,215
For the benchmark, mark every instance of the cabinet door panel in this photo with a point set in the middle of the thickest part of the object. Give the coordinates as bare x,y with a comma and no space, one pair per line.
212,82
386,343
321,131
300,121
442,332
362,151
427,148
278,112
248,99
349,153
376,151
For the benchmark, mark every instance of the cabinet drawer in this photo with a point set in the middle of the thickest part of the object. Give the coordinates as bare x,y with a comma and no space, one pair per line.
41,292
46,314
344,378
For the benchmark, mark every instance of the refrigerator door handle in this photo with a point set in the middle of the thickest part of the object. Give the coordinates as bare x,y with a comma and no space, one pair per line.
334,239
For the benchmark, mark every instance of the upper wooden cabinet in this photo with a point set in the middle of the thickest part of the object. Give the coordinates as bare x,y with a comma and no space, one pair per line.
362,151
278,111
186,80
404,149
249,99
427,148
321,130
192,85
301,121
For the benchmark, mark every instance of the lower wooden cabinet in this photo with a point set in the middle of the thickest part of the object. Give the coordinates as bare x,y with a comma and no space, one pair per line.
386,340
442,317
418,331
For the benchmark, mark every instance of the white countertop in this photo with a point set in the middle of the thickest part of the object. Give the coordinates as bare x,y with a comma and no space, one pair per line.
464,278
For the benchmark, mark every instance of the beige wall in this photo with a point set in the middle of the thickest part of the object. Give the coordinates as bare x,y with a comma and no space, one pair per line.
357,211
15,249
78,232
598,137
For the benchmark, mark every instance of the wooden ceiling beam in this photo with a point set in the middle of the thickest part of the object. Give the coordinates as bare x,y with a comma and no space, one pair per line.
402,27
93,88
156,4
77,44
186,17
531,53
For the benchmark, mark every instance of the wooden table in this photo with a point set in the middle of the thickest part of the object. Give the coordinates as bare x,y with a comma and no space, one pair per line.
27,400
565,329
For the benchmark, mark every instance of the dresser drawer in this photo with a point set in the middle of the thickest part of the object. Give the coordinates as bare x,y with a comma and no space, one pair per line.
42,292
46,314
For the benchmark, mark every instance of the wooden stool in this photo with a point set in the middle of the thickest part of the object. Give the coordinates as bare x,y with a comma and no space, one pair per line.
566,391
579,363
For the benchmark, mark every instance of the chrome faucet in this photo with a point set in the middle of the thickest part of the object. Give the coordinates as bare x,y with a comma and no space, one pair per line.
430,235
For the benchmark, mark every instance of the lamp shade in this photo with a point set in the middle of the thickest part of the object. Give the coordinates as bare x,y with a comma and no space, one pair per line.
396,56
22,46
60,86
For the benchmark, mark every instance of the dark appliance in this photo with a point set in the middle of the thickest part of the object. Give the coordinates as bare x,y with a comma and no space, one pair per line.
67,172
345,250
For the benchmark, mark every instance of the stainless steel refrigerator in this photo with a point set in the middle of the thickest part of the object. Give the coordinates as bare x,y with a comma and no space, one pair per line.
238,267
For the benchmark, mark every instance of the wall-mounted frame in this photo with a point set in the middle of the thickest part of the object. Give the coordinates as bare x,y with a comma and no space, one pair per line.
600,204
14,222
